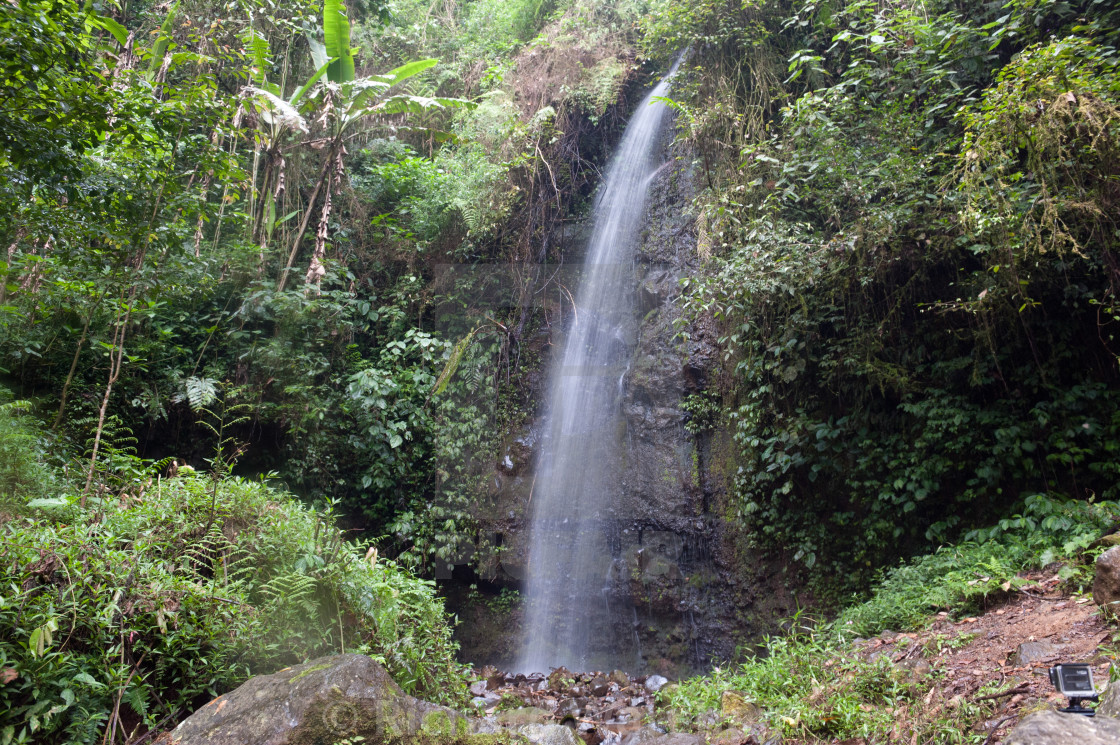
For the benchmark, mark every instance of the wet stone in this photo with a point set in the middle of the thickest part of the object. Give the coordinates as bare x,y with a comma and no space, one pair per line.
548,734
522,716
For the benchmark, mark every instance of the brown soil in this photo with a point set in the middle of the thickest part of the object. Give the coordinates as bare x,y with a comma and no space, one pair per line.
1039,613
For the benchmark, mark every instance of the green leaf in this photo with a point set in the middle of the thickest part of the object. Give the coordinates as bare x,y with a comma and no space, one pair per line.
259,49
406,71
336,27
47,503
164,40
118,32
395,440
302,91
318,51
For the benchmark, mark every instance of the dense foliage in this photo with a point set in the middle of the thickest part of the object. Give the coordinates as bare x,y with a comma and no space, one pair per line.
128,614
260,239
911,217
296,205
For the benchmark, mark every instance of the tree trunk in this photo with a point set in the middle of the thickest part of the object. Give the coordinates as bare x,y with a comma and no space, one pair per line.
116,356
303,226
73,368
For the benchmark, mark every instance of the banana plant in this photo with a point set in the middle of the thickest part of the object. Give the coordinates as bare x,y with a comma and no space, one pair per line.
277,118
341,102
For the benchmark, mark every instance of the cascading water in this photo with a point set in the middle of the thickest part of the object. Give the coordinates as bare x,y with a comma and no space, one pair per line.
569,617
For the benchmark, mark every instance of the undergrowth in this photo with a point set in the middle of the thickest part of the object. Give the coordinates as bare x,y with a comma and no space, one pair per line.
127,616
812,685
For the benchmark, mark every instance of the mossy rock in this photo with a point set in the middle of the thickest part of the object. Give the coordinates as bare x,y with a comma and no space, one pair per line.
322,702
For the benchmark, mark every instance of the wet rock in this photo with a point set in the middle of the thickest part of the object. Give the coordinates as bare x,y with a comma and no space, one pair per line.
599,686
734,705
642,736
1030,653
522,716
729,736
568,707
709,719
619,678
1052,728
631,714
1106,581
560,678
479,688
325,700
548,734
654,683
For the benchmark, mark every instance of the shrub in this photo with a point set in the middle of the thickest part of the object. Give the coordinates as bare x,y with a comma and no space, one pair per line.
129,617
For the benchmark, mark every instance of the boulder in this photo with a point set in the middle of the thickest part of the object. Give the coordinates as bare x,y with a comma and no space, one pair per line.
619,678
654,683
1029,653
325,700
1054,728
642,736
733,705
548,734
1106,580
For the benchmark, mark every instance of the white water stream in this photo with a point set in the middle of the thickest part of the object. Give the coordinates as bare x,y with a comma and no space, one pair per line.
570,619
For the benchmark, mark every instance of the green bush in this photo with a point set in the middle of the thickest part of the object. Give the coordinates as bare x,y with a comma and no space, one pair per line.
23,451
129,617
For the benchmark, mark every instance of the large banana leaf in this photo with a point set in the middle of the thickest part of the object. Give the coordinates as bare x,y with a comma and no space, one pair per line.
336,29
406,71
302,90
163,41
318,50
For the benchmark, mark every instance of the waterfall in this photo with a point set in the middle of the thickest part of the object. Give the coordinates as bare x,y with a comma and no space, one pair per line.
570,619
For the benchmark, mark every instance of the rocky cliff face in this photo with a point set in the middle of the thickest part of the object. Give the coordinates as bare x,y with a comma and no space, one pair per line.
679,588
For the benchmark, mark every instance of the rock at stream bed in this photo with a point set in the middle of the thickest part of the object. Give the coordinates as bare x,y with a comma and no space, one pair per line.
522,716
548,734
325,700
1053,728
